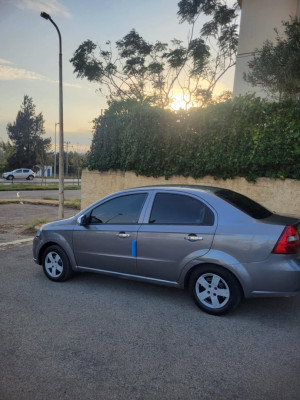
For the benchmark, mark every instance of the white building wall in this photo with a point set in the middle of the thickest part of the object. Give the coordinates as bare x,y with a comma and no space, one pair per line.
258,20
45,171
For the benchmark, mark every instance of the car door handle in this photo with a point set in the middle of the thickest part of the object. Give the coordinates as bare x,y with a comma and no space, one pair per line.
193,238
123,235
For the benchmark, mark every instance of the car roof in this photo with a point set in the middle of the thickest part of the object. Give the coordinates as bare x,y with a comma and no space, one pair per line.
200,188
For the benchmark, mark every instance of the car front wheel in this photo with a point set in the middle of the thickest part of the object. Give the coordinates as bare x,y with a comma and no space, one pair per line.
214,289
10,177
56,264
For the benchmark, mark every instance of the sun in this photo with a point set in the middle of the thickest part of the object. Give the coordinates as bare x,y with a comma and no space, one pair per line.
178,103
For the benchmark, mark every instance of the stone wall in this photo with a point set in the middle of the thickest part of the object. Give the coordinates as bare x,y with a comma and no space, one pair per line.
281,196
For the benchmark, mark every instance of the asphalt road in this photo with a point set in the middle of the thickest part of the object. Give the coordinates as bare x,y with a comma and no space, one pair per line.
97,337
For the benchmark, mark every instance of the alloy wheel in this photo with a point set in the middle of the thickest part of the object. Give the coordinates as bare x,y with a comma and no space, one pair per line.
212,290
53,264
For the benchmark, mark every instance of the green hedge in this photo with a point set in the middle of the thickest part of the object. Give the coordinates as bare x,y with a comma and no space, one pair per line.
245,137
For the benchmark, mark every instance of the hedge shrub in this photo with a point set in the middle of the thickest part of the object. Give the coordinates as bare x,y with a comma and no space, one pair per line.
245,137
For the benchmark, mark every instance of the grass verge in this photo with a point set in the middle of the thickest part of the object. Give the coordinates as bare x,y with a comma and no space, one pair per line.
23,187
33,225
75,203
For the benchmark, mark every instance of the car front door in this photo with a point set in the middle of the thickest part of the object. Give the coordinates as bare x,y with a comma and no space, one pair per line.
178,229
108,241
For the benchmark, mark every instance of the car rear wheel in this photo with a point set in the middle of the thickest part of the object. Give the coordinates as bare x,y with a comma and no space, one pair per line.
30,177
56,264
214,289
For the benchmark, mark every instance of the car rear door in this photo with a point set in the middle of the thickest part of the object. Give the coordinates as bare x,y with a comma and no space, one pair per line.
177,229
108,242
25,173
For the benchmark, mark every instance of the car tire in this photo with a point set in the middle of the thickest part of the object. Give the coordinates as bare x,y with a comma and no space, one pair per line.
56,264
214,289
10,177
30,177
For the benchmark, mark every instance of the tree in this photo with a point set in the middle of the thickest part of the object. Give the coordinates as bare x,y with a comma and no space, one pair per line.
145,72
275,67
25,134
76,163
221,31
6,151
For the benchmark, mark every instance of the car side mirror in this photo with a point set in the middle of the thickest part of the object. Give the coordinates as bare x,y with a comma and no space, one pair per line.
82,220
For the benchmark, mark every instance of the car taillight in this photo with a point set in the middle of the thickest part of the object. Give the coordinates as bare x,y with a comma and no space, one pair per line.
289,241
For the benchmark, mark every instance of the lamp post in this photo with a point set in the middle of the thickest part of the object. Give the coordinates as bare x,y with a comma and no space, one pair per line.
56,123
61,124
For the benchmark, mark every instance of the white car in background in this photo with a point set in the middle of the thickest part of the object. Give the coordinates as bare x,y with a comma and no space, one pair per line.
21,173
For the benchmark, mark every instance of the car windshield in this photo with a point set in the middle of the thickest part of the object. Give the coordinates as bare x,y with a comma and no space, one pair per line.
244,204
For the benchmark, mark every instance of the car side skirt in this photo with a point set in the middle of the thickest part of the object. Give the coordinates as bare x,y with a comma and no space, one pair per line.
256,294
129,276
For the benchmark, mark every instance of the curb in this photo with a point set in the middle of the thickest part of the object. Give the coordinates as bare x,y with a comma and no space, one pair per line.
30,201
42,202
14,243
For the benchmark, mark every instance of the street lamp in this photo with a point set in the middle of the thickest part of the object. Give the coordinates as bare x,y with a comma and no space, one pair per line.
61,124
56,123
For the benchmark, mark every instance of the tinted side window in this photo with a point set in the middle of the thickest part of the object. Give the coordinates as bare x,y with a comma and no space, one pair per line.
120,210
244,204
180,210
25,171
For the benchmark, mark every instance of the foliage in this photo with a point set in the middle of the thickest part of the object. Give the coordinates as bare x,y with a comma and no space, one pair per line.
245,137
149,72
69,203
76,162
74,203
6,152
34,224
275,67
26,136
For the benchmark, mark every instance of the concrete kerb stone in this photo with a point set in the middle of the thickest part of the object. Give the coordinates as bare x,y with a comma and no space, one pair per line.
31,201
14,243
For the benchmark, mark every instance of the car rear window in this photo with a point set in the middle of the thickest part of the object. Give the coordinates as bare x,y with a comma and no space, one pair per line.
243,203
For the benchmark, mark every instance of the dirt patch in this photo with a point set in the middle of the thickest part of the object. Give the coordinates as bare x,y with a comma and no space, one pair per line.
15,218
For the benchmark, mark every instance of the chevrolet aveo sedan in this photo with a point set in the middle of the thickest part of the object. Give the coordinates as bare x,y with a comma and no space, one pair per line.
219,244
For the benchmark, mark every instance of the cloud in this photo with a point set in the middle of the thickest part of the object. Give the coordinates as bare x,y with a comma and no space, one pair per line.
66,84
9,73
2,61
52,7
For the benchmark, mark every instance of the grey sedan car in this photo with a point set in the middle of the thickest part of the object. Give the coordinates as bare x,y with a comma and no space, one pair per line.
219,244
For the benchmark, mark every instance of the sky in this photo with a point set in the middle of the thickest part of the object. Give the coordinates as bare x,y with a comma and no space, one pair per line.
29,55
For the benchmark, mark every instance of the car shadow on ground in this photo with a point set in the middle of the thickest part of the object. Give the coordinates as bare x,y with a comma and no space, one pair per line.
270,311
